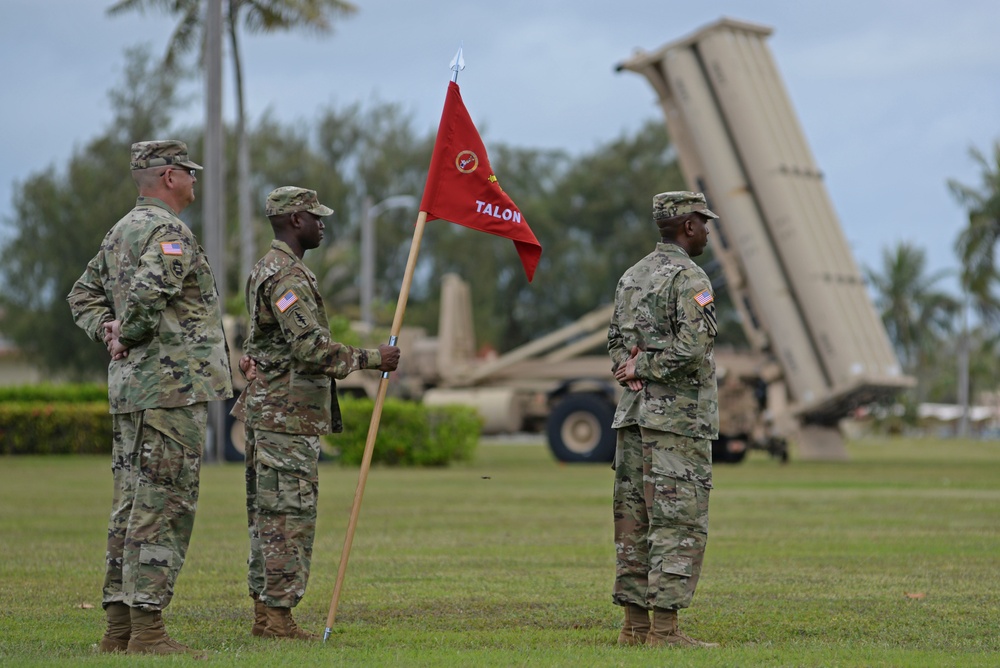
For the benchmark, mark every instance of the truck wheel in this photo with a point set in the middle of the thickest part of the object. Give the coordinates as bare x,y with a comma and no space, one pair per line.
579,429
727,450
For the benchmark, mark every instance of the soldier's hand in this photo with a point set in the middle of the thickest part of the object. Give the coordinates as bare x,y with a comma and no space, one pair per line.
248,367
625,373
117,350
390,357
112,329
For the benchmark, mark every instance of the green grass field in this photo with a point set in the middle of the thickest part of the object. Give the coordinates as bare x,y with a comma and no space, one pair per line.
890,559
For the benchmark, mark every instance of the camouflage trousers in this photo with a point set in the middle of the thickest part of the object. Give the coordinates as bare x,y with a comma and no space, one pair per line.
662,483
156,462
282,488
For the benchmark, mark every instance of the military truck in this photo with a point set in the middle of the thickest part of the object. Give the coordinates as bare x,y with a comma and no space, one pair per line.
561,384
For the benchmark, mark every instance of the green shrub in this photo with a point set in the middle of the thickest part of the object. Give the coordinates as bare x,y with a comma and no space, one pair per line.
73,393
409,434
64,428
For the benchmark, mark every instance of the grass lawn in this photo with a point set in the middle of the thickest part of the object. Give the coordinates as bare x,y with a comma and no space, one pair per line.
890,559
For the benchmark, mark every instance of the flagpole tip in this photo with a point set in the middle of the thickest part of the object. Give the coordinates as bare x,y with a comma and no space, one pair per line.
457,64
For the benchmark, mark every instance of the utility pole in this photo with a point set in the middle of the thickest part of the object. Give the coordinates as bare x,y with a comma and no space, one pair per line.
963,371
214,203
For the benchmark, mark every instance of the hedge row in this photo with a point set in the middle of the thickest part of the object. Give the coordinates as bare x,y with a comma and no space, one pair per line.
45,428
409,434
64,392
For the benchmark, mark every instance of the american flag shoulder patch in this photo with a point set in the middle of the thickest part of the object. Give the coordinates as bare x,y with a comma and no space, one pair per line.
171,248
704,298
286,300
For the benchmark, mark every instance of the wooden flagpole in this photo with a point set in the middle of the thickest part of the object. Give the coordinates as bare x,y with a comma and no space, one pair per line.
397,323
457,65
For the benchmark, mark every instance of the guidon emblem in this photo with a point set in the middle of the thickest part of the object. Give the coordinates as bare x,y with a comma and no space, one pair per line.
466,162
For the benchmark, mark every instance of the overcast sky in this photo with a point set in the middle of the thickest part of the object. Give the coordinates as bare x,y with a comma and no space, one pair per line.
891,94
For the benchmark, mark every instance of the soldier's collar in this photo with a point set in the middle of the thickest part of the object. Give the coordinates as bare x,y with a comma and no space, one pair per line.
283,247
672,248
152,201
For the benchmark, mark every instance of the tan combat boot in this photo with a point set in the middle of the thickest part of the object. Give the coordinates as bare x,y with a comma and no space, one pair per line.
259,617
281,625
119,629
636,625
149,636
665,633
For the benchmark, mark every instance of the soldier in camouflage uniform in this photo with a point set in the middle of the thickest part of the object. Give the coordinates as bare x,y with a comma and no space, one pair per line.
661,342
149,295
289,403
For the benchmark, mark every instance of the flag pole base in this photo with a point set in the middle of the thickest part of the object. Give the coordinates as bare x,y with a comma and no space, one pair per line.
326,634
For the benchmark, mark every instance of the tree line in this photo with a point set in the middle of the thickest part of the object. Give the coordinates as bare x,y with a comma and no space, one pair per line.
591,213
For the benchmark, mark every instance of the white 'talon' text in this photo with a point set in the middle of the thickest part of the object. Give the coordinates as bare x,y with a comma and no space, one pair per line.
495,210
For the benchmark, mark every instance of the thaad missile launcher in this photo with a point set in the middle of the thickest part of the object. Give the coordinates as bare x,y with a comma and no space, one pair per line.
787,264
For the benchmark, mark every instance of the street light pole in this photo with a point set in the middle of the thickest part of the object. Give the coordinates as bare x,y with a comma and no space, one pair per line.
368,215
367,264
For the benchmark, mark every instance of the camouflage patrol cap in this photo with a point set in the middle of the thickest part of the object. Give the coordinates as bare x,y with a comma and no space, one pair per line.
678,203
161,152
289,199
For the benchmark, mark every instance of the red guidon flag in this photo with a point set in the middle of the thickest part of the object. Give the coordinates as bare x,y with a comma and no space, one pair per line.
462,188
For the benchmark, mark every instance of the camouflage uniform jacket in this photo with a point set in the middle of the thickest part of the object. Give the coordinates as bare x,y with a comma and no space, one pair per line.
152,276
664,305
290,341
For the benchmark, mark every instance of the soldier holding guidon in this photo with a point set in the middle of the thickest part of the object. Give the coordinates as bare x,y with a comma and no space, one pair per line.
149,295
288,405
661,342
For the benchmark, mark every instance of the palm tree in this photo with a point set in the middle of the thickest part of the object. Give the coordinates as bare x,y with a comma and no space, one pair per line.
917,316
977,243
976,247
256,16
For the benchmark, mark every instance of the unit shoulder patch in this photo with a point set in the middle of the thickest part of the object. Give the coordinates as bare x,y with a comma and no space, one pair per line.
299,319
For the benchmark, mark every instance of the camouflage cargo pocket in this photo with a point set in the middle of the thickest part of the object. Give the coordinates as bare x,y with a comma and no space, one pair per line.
281,492
680,503
156,556
164,458
287,475
154,578
675,564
